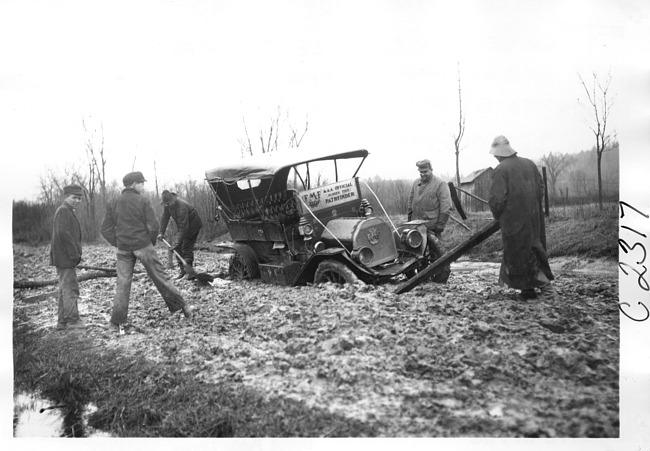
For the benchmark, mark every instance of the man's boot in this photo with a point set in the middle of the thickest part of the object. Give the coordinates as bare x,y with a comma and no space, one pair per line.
191,273
527,294
181,274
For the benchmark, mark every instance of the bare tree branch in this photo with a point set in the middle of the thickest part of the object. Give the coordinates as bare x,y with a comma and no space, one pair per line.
271,139
599,106
461,129
294,140
555,164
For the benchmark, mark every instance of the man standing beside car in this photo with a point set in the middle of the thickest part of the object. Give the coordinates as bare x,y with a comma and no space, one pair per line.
65,255
516,202
131,225
188,225
430,201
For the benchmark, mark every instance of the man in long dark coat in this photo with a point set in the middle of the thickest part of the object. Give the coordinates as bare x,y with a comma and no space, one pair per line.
188,225
516,201
65,255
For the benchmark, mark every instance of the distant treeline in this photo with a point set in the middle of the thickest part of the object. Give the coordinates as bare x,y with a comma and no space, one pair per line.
32,221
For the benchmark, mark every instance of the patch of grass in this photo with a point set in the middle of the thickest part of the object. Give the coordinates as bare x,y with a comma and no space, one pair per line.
138,398
580,231
591,238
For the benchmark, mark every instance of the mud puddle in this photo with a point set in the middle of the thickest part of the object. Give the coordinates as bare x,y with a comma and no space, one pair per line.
37,417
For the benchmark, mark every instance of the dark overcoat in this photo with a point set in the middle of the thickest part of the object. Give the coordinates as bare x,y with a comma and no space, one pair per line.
188,222
65,248
516,201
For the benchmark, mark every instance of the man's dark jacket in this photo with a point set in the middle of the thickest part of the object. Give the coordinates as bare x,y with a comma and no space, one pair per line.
130,222
188,222
65,248
516,201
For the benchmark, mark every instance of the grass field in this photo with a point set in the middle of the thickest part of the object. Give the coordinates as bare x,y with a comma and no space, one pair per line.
577,231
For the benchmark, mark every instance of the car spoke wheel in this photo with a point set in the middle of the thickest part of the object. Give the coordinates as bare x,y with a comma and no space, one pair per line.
334,272
243,266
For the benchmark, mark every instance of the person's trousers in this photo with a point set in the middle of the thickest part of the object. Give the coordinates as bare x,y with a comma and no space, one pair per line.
437,251
186,249
156,272
67,296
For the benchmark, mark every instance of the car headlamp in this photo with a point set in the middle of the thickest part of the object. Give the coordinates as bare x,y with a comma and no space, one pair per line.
412,238
363,255
305,228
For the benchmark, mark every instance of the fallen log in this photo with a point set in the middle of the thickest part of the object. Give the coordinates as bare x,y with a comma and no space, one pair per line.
449,257
97,268
40,297
44,283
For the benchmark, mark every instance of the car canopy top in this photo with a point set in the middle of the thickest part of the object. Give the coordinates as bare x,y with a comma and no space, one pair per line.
267,165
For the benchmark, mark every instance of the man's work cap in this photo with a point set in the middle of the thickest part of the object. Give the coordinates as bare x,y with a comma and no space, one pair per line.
423,164
168,197
501,147
73,189
133,177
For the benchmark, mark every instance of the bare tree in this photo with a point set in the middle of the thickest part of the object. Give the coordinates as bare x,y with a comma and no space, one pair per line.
599,107
246,146
96,171
52,183
294,139
270,139
96,158
555,165
155,177
458,137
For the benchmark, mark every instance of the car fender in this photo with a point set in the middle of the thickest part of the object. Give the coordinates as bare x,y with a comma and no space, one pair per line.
307,272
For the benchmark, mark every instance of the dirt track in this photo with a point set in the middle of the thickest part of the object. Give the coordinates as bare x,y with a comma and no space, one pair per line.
462,359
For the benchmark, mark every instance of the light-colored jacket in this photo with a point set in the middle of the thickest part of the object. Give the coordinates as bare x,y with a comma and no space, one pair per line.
430,201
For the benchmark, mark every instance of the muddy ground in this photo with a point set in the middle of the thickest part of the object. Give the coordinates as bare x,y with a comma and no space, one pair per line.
462,359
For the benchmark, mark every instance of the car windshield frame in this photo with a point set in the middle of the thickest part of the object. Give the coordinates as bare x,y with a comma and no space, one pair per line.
269,165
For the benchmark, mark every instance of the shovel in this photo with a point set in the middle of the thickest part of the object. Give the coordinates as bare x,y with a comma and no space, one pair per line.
201,277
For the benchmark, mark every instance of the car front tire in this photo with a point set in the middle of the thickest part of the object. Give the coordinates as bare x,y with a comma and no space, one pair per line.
335,272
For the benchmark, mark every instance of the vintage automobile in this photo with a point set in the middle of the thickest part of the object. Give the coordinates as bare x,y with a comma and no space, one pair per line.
297,217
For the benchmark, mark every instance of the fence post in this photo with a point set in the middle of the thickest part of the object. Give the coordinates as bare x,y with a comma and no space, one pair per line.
545,191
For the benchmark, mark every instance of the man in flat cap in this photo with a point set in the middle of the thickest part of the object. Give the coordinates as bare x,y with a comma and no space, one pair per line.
430,201
131,225
188,225
65,255
516,201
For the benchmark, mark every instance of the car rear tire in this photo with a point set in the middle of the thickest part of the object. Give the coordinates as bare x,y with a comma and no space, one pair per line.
335,272
243,265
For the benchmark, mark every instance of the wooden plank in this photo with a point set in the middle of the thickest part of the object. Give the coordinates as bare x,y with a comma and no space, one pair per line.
449,257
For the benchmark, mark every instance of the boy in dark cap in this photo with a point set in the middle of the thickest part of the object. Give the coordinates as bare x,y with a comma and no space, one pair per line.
131,225
188,223
430,201
65,255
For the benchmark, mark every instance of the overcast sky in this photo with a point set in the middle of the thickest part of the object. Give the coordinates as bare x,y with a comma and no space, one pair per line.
173,81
